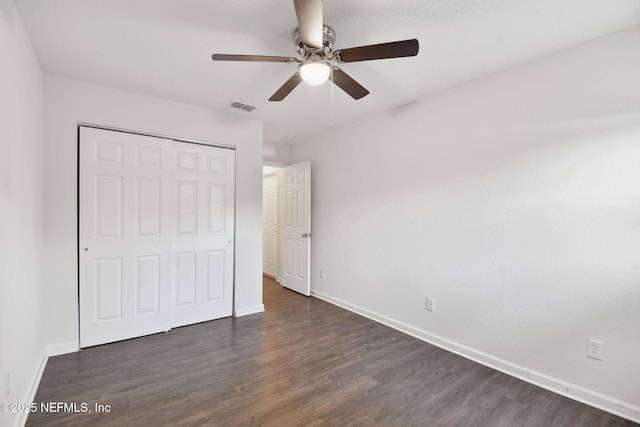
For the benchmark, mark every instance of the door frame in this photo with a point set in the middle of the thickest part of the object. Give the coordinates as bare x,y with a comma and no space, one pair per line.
154,135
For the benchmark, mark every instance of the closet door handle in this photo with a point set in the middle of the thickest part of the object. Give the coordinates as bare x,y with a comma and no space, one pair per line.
306,235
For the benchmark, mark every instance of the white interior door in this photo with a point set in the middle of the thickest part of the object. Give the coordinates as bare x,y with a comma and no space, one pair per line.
270,223
125,252
156,234
203,238
295,204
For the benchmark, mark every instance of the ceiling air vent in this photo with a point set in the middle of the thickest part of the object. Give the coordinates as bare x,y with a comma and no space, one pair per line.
241,106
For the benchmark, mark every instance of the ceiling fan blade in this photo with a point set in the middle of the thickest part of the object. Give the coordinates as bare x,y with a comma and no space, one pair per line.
309,13
398,49
252,58
347,84
286,88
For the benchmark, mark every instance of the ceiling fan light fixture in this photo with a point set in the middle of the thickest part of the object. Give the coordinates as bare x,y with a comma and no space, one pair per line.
315,72
314,43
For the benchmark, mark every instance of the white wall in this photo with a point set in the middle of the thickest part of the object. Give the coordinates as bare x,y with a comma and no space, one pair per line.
514,201
21,208
276,154
68,102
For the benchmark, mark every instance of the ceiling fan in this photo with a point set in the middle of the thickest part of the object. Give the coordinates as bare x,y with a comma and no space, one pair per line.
314,42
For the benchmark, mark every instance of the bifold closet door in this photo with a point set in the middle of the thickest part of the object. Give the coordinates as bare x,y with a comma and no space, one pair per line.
125,231
156,234
203,236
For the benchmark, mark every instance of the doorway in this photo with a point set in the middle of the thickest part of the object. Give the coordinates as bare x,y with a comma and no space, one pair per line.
270,221
287,225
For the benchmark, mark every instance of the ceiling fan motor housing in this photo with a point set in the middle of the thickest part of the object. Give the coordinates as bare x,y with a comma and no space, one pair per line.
328,40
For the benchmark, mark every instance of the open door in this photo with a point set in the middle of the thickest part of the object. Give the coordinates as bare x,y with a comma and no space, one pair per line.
295,205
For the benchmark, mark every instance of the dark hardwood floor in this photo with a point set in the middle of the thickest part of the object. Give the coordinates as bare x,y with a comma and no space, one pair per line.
302,362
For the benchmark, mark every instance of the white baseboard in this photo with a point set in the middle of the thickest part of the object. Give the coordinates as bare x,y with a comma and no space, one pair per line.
50,350
245,311
62,348
572,391
35,382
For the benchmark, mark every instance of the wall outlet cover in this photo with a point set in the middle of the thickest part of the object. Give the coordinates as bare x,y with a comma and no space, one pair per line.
595,349
429,304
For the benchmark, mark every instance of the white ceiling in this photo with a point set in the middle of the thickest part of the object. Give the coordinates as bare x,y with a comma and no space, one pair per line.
163,48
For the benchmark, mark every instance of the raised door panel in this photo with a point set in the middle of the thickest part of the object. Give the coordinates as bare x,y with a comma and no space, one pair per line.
216,271
148,284
187,207
109,289
109,206
186,277
149,206
293,232
217,201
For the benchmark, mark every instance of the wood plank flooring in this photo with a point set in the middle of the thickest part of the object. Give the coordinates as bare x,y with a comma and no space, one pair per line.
302,362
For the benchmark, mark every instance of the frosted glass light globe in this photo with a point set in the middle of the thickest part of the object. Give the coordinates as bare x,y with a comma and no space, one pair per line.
314,73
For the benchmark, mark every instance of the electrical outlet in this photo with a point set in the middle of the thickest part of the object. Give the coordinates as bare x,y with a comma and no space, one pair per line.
7,384
429,304
323,273
595,349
